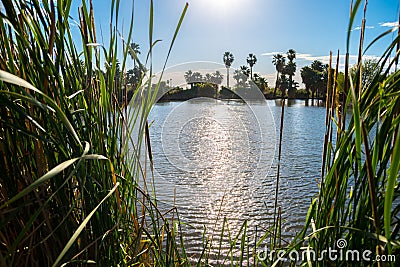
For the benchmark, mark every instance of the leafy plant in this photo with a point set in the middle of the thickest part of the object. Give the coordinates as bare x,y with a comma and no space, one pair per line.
73,187
359,187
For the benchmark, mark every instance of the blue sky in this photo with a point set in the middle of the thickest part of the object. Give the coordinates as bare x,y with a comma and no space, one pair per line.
262,27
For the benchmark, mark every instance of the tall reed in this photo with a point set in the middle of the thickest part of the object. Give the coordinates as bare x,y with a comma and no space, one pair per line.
358,198
71,187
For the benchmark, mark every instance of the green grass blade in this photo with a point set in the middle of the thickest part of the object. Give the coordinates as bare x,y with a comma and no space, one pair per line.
53,172
10,78
351,23
81,226
390,187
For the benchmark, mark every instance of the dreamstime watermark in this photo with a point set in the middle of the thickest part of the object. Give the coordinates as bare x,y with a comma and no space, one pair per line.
337,253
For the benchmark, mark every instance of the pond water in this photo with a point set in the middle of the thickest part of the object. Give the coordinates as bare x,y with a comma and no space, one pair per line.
217,159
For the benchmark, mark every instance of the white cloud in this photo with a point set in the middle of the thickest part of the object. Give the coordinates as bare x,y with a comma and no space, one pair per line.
309,57
389,24
270,54
301,57
359,28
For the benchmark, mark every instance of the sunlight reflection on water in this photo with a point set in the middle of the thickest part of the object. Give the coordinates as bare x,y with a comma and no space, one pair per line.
217,156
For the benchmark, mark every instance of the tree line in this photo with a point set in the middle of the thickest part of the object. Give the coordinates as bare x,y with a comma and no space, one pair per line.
313,76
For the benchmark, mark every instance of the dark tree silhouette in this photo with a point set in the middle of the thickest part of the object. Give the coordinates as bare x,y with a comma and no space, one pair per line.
228,58
251,60
279,62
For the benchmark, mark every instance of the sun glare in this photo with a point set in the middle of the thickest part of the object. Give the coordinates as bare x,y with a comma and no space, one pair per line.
221,3
222,7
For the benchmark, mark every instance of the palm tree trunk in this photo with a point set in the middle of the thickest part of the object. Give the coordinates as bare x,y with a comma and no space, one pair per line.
307,96
227,78
312,98
276,84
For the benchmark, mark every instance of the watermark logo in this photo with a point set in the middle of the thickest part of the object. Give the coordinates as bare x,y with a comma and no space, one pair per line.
340,252
341,243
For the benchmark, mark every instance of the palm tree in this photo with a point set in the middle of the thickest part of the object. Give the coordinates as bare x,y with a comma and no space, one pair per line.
189,78
307,75
291,54
261,82
208,78
279,62
134,51
318,66
228,58
245,73
197,77
283,84
245,70
251,60
237,76
290,69
193,78
217,77
134,76
241,75
320,79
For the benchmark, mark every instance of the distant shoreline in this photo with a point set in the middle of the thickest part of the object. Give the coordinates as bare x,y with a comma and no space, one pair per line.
173,98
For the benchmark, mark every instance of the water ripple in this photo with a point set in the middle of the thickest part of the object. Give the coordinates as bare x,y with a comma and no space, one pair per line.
219,163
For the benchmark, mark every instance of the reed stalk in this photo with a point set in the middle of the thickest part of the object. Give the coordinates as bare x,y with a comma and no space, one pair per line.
276,217
358,198
71,190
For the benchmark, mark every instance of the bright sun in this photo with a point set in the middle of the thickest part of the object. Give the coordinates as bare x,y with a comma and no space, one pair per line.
223,7
221,3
